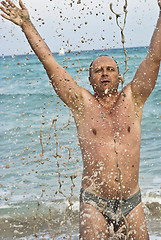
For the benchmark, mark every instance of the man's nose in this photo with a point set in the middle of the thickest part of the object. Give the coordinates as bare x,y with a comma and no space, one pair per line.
104,72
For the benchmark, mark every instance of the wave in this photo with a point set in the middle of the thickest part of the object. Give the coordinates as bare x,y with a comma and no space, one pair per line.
152,203
61,215
11,95
151,200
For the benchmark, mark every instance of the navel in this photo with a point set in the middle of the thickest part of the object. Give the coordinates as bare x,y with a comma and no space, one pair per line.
128,129
94,131
116,179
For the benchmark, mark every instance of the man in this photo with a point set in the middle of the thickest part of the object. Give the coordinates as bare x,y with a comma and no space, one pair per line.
109,131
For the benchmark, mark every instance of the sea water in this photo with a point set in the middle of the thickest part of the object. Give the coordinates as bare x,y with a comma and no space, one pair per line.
40,159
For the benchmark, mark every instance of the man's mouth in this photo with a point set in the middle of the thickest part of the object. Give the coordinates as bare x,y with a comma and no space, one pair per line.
105,81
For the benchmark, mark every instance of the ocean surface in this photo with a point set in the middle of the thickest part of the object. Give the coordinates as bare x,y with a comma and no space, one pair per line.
40,160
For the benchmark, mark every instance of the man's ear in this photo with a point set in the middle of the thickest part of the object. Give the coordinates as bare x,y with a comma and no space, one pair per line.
120,78
89,78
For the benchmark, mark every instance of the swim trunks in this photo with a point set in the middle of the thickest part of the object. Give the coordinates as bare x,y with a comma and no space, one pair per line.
113,210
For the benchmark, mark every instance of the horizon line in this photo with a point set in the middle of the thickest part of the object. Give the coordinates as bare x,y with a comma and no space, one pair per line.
75,51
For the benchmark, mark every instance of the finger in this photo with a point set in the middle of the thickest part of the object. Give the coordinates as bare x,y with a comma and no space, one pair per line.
4,4
8,7
11,3
6,17
5,11
21,4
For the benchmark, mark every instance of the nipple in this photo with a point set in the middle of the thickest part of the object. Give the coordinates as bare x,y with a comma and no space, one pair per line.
94,131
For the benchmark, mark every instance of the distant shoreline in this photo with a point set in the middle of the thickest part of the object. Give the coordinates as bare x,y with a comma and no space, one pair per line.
76,51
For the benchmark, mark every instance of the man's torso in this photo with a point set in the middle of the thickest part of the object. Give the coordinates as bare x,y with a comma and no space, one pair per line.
110,142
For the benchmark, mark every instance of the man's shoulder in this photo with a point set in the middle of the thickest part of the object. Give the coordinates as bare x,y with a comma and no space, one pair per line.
126,96
126,92
136,100
129,101
127,88
87,95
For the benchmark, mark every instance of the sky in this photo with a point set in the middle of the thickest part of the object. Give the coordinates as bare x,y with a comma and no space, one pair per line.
84,26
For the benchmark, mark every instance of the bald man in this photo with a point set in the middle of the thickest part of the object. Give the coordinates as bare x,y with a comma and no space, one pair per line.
109,131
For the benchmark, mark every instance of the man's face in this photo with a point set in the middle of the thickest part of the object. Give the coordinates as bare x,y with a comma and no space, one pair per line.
104,75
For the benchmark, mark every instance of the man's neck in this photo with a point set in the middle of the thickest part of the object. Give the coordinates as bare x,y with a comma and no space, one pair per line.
107,97
107,100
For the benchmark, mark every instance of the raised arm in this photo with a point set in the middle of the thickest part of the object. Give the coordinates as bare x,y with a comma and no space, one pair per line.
147,73
64,85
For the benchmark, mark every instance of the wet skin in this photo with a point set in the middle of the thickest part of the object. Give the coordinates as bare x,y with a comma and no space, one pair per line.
108,123
109,131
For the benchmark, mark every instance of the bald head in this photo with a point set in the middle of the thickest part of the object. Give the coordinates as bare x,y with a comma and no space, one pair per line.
91,65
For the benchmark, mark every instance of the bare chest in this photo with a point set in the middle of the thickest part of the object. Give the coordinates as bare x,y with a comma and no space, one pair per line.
98,123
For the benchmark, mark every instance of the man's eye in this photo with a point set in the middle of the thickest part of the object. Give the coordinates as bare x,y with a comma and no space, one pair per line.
97,70
110,69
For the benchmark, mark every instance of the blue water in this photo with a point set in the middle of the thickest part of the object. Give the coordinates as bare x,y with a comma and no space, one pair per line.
28,106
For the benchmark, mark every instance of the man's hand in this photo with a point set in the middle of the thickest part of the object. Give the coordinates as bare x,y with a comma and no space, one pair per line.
15,14
159,3
147,73
64,85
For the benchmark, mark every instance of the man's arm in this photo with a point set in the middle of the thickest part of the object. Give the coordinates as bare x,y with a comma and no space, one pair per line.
64,85
147,73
